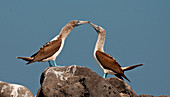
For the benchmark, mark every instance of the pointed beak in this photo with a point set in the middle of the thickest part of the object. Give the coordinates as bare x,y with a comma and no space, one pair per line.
95,27
81,22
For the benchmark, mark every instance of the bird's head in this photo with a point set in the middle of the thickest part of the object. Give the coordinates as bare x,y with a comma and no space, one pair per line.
70,26
75,23
98,29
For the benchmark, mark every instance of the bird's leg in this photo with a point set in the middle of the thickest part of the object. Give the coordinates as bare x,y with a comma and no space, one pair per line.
55,64
50,64
105,75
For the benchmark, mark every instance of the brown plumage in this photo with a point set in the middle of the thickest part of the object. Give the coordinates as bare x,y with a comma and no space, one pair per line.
44,52
52,49
108,62
105,61
131,67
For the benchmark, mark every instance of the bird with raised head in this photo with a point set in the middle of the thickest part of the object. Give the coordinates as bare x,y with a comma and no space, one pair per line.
105,61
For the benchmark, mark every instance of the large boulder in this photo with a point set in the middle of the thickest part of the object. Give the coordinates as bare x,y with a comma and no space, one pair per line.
72,81
75,81
14,90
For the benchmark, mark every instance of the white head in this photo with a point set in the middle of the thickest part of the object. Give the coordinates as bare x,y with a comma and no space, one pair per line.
70,26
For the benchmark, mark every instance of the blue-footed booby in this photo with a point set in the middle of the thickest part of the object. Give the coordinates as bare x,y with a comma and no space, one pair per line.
105,61
52,49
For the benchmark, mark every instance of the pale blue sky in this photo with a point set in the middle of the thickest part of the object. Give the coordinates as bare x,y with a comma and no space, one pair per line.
137,31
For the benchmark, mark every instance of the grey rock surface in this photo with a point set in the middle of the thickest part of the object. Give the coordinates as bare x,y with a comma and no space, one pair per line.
76,81
123,88
72,81
14,90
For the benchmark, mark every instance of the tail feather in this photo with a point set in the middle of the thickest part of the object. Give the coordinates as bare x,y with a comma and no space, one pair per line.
29,59
131,67
125,77
30,62
122,75
25,58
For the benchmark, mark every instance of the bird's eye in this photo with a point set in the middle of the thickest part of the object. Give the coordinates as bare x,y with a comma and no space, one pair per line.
98,28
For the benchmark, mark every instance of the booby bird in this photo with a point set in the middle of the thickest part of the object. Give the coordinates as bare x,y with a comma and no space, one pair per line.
105,61
52,49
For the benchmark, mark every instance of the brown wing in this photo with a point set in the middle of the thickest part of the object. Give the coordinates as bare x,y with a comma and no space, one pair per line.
47,50
108,62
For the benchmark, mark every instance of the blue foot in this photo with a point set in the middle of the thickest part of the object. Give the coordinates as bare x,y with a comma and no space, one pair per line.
56,64
105,75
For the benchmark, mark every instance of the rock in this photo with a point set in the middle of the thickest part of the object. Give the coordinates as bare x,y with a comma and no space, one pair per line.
75,81
14,90
143,95
72,81
163,96
123,88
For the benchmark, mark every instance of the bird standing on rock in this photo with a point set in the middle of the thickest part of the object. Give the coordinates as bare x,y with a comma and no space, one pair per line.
52,49
105,61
